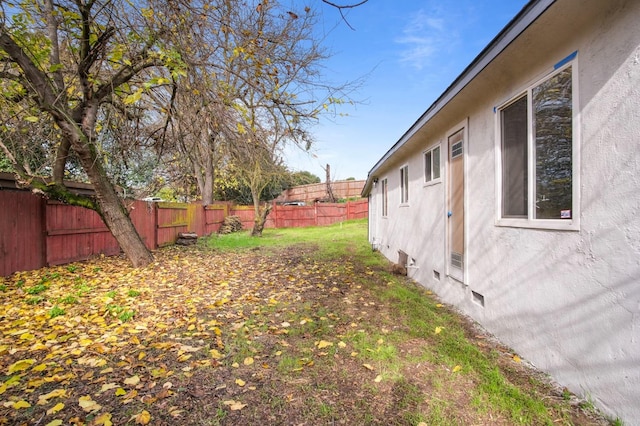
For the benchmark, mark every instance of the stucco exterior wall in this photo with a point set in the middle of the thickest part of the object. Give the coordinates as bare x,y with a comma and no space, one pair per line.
568,301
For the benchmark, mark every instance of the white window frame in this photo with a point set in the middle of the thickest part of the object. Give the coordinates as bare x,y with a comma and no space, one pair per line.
572,224
430,178
384,194
404,185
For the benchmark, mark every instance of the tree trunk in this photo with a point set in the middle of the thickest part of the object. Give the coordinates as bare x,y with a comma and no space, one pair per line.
119,223
111,210
260,219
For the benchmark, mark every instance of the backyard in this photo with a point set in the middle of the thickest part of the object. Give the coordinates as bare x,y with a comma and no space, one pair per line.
302,326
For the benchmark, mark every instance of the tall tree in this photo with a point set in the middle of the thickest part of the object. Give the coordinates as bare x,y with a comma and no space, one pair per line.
73,63
253,85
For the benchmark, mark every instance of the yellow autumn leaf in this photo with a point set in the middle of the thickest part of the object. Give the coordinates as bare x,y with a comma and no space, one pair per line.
516,358
104,419
234,405
132,381
59,406
215,354
21,404
108,386
456,369
342,344
323,344
31,119
44,399
120,392
368,367
438,330
142,418
240,382
56,422
184,357
439,305
40,367
133,98
378,379
3,388
21,365
88,404
248,361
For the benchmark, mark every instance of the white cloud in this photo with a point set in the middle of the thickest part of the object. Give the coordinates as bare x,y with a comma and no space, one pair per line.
423,36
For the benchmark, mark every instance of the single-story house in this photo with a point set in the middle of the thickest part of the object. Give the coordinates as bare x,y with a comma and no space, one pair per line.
516,195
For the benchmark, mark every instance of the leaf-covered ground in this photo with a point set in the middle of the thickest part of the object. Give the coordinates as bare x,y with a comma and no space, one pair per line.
262,336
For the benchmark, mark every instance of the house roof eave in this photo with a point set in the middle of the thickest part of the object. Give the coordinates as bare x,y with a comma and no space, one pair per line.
529,14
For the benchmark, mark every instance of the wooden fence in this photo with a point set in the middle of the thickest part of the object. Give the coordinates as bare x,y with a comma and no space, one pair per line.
35,232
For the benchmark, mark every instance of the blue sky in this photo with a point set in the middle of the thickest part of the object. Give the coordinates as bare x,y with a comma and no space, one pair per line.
408,52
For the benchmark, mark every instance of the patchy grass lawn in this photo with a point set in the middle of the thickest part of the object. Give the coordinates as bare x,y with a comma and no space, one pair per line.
302,326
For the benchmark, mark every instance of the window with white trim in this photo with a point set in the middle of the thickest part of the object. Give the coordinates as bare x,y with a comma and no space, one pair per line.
385,199
537,154
404,185
432,165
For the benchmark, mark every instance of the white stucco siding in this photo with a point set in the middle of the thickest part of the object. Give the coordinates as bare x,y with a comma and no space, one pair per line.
568,301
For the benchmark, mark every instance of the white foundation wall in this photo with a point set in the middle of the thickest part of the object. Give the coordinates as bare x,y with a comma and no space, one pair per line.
568,301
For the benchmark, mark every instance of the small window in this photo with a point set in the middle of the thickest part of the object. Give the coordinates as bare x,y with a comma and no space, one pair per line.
385,199
432,165
404,185
537,151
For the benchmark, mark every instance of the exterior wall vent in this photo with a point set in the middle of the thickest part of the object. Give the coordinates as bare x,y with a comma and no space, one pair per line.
478,298
436,275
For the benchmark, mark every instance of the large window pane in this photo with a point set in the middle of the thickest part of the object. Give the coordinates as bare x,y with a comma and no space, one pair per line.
552,130
514,159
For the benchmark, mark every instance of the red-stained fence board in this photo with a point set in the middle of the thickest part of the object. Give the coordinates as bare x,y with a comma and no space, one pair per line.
21,232
143,216
75,233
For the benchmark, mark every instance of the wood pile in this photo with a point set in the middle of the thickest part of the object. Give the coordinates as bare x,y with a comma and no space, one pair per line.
231,224
187,238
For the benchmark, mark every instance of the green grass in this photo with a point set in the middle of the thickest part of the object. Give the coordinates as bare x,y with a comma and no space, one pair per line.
36,289
56,311
333,241
419,315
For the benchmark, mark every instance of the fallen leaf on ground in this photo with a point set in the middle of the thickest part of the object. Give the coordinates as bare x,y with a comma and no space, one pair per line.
323,344
88,404
21,365
44,399
59,406
104,419
143,418
132,381
234,405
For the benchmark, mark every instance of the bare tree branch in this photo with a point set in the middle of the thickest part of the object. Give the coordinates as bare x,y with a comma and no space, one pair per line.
342,7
